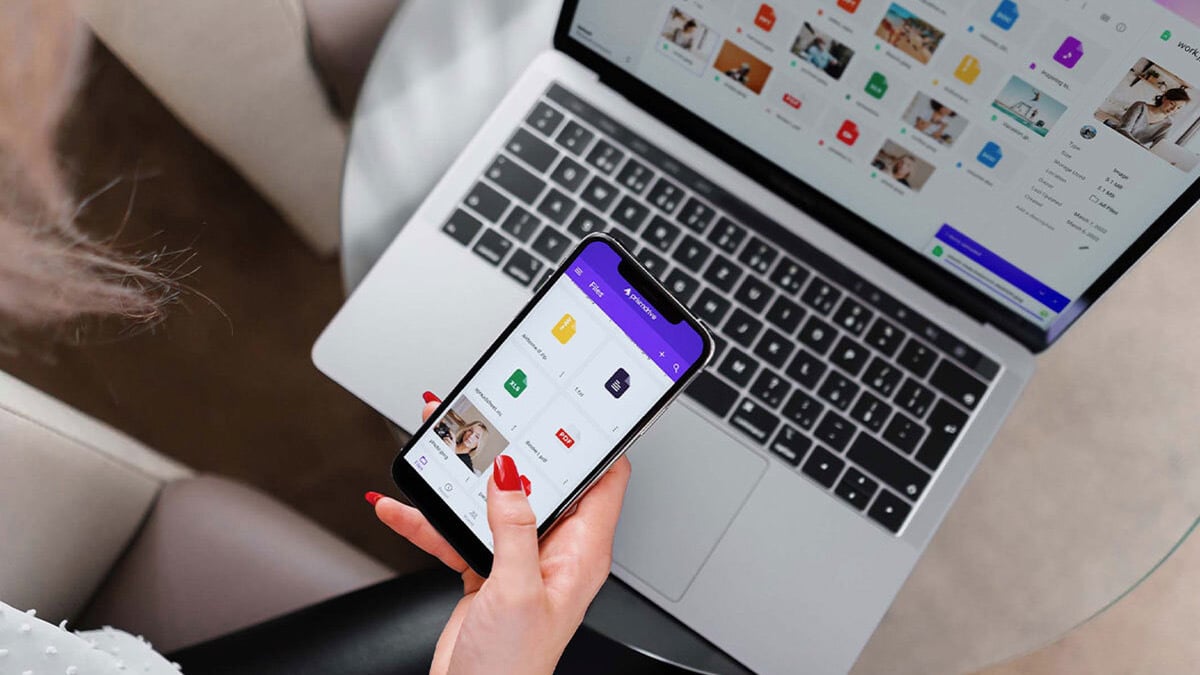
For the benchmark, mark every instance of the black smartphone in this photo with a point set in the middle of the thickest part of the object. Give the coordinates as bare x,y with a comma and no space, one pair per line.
577,377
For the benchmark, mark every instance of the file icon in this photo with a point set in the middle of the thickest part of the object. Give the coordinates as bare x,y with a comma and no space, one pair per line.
1006,14
877,86
618,384
564,330
848,133
850,6
765,18
1070,52
991,155
516,383
968,70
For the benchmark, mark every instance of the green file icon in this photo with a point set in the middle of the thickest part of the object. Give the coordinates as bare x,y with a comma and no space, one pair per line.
877,86
516,384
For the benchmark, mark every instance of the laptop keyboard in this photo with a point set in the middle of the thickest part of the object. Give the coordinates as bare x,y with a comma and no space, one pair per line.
831,375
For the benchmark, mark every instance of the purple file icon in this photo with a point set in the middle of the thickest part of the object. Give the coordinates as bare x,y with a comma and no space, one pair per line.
1070,52
618,384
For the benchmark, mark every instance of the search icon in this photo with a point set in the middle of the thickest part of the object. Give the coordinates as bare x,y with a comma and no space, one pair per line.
676,368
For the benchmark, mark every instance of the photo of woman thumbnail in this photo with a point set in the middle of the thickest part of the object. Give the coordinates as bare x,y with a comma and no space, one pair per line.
1156,109
1031,107
909,33
935,119
822,51
902,166
685,32
470,436
742,67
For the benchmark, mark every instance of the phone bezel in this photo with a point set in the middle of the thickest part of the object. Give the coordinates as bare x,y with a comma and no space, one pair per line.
425,498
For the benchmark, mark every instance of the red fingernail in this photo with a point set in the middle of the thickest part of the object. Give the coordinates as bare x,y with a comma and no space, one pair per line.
504,472
526,485
373,498
430,397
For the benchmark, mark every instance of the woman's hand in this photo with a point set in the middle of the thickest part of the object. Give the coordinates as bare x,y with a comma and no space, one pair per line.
519,619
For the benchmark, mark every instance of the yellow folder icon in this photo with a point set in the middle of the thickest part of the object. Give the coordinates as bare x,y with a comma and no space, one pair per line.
968,70
564,330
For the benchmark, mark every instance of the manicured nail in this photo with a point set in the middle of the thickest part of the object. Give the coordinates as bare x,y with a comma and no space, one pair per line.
373,498
526,485
430,397
504,472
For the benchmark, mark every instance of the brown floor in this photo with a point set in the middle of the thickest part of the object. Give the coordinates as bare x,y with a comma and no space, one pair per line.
231,390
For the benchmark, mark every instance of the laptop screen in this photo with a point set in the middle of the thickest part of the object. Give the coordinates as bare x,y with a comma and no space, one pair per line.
1022,146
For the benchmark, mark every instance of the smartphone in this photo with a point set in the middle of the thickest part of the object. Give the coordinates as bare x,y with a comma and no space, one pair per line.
581,372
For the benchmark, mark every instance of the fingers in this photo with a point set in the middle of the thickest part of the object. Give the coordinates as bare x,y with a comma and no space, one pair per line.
514,529
600,508
410,524
431,405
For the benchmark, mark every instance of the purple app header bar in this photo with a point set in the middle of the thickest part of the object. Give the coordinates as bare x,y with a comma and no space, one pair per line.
674,347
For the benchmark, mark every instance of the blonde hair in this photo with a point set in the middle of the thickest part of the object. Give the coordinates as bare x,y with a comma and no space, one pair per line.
51,273
483,433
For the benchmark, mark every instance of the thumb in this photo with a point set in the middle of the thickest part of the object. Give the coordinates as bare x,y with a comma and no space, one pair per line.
514,528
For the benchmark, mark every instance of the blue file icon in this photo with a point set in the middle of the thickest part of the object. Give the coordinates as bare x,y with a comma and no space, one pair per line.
1006,14
991,155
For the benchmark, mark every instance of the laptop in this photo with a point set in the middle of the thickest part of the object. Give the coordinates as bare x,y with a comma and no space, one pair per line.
884,210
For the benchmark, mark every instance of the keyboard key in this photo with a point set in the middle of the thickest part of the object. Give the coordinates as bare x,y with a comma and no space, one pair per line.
759,255
789,276
711,307
552,244
605,157
661,233
823,467
856,489
838,390
666,195
885,337
544,118
883,377
889,511
654,264
635,176
818,335
719,345
682,286
462,226
521,183
775,348
738,367
946,424
791,445
723,273
710,392
917,358
904,433
585,222
821,296
532,150
574,138
785,314
914,399
803,410
871,412
692,253
850,356
487,202
807,370
754,293
493,246
771,389
521,224
889,466
957,385
523,267
728,236
630,213
600,194
569,174
742,328
556,206
852,317
835,431
696,215
754,420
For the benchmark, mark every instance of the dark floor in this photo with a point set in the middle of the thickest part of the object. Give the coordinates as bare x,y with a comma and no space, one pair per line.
232,390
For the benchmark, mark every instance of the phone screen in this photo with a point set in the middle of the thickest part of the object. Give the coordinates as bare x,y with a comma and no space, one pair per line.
588,362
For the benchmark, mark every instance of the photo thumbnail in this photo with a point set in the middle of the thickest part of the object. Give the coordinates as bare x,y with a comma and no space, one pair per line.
1031,107
683,31
934,119
742,67
1158,110
909,33
903,166
822,51
468,434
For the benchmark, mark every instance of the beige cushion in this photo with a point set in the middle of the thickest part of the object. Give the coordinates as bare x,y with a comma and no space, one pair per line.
73,492
236,73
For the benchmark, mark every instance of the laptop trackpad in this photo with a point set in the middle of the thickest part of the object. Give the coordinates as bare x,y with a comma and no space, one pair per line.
689,480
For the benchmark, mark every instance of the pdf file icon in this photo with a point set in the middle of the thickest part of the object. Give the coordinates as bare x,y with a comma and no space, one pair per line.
766,17
850,6
566,437
848,133
792,101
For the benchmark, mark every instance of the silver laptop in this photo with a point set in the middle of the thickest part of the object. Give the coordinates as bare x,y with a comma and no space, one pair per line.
885,211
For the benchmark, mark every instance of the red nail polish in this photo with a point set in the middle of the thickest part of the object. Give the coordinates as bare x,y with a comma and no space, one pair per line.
373,498
504,472
526,485
430,397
